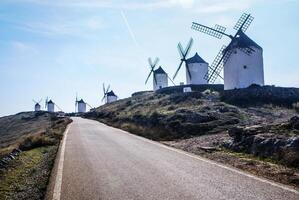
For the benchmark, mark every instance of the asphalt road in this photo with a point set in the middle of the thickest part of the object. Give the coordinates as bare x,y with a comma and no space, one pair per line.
101,162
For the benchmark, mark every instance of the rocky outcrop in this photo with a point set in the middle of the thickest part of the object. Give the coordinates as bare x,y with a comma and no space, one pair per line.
268,141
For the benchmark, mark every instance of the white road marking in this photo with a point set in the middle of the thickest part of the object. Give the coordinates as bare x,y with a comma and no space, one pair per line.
281,186
58,181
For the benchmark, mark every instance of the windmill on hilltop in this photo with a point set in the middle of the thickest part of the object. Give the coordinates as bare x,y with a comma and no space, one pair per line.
50,105
160,77
196,67
242,59
109,96
80,105
37,105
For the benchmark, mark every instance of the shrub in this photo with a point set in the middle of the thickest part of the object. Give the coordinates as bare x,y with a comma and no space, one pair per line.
34,141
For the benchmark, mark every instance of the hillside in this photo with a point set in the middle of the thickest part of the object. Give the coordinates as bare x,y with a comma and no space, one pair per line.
28,145
262,138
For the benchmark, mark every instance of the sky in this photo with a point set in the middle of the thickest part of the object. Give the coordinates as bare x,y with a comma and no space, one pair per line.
57,48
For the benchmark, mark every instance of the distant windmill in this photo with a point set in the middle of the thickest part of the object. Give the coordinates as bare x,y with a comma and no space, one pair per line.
80,105
160,77
37,105
196,67
242,59
109,96
50,105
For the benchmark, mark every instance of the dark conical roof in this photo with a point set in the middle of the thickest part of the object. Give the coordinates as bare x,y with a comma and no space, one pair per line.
195,59
50,102
242,41
37,104
111,93
81,101
159,71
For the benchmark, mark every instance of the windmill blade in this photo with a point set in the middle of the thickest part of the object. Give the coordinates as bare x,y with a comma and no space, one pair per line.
170,80
40,101
217,31
58,107
188,70
34,101
150,62
155,63
244,22
108,88
104,88
190,43
176,73
218,64
103,97
46,103
155,78
148,76
181,50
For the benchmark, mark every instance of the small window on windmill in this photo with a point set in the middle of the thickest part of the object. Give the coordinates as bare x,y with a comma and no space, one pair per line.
245,66
181,83
187,89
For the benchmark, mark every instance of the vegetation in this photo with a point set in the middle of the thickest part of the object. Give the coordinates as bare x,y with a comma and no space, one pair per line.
26,176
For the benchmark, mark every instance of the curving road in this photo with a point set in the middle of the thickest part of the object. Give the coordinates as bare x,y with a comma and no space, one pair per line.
101,162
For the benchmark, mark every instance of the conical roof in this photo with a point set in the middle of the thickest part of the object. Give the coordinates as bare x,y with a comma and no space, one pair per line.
50,102
111,93
81,101
195,59
242,41
159,71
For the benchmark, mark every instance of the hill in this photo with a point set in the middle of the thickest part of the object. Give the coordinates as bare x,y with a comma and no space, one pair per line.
260,136
28,145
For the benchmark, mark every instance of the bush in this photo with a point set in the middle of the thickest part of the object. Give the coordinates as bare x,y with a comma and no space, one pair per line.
35,141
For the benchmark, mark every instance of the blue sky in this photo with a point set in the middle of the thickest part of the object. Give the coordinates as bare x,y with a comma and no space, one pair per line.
56,48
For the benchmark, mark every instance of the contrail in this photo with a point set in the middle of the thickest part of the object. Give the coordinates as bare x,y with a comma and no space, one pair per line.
129,29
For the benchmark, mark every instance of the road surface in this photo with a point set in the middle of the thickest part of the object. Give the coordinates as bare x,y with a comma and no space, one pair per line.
101,162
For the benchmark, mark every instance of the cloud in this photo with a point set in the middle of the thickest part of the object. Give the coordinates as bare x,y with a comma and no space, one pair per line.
206,6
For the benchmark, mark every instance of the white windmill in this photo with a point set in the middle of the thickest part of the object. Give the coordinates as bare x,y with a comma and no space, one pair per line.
80,105
109,96
242,59
50,105
160,77
196,67
37,105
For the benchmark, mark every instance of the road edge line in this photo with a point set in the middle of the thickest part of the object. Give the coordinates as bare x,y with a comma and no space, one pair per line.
229,168
58,180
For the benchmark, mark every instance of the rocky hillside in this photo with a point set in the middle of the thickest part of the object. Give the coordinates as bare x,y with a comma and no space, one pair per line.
203,122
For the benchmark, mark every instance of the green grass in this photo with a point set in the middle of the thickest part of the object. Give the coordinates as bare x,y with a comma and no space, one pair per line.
27,177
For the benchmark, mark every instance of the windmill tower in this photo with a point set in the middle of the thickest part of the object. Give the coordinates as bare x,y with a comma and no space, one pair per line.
109,96
80,106
37,105
242,59
160,77
196,67
50,105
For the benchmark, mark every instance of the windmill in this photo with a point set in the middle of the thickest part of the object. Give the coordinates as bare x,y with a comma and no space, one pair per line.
242,59
80,105
196,67
109,96
160,77
50,105
37,105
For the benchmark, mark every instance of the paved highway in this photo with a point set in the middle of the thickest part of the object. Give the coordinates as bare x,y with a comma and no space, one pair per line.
101,162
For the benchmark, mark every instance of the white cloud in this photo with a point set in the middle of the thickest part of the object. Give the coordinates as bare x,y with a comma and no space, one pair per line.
205,6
